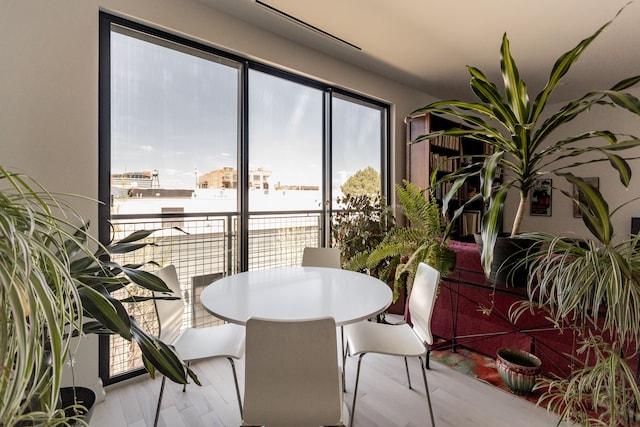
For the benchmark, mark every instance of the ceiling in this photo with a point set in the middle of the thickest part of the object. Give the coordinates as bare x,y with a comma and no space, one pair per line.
427,44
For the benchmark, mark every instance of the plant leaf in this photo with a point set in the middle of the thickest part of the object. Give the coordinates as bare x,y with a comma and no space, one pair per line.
107,310
515,88
594,209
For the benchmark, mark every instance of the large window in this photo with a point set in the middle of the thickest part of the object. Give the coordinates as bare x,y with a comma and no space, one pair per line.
243,158
174,126
357,145
285,144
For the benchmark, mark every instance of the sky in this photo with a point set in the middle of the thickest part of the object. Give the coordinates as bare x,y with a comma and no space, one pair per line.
176,111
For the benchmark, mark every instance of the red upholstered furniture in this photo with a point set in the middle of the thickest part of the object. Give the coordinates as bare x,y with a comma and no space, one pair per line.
475,314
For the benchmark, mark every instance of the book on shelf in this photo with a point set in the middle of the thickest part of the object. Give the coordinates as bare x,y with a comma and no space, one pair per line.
442,189
470,222
446,141
443,163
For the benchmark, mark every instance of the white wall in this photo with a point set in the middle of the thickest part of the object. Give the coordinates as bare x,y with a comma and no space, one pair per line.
49,87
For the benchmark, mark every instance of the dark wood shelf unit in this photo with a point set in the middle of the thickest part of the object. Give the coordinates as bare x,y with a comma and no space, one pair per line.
447,154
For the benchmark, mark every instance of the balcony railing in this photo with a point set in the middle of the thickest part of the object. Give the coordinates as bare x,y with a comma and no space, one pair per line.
204,248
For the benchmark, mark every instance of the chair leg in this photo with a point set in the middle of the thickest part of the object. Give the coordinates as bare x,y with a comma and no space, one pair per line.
406,367
426,388
344,359
155,421
235,380
355,391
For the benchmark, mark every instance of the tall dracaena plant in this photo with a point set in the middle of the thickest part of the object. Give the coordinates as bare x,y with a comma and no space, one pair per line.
97,276
524,146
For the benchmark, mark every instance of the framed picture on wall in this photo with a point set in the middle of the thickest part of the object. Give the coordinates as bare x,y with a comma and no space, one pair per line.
577,194
541,198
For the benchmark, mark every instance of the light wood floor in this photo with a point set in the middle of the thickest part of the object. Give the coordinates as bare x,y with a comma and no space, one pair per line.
384,400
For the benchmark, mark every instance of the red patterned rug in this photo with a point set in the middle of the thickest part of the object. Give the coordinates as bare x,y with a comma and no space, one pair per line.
476,365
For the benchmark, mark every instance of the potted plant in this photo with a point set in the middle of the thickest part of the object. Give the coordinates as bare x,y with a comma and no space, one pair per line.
54,287
518,369
522,136
362,224
592,287
425,239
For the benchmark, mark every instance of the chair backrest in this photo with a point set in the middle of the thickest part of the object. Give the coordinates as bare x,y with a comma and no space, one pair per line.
423,299
292,376
170,312
321,257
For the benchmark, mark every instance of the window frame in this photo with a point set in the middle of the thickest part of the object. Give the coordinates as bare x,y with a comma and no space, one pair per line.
106,23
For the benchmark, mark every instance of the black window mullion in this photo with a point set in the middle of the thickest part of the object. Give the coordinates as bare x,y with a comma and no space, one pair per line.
386,188
327,193
243,172
104,165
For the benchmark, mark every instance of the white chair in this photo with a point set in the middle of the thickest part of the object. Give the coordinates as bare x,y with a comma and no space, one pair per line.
292,378
330,258
195,343
400,340
321,257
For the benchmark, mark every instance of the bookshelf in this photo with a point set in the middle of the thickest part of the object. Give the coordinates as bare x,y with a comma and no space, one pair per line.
446,154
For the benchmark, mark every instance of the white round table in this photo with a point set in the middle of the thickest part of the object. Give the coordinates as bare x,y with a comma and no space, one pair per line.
297,293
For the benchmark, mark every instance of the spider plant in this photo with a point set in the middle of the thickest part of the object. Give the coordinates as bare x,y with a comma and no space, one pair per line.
602,392
523,142
39,301
594,287
54,287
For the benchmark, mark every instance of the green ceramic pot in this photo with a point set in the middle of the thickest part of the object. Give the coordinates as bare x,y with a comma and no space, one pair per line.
518,369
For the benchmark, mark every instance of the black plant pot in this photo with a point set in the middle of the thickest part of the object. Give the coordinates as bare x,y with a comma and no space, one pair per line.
507,268
83,396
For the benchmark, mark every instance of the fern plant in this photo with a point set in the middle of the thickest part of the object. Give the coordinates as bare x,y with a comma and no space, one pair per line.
403,248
